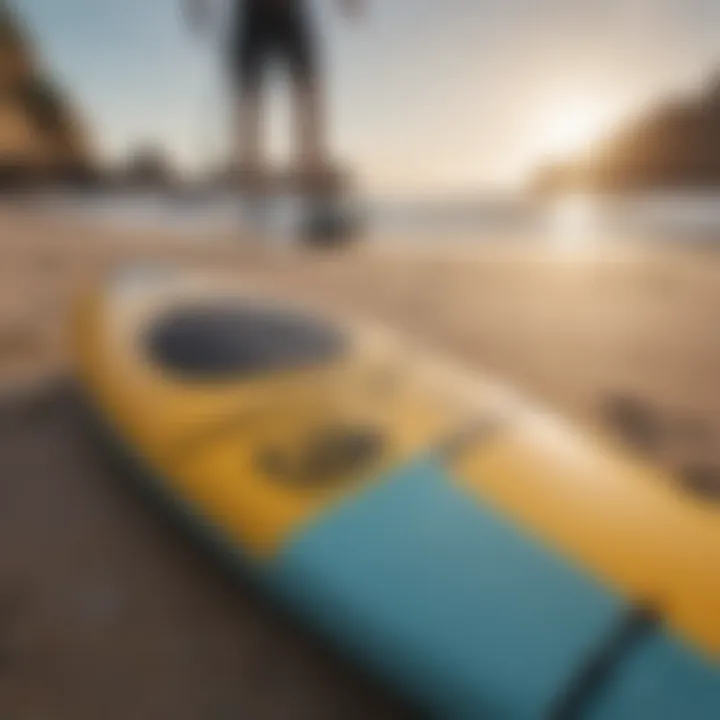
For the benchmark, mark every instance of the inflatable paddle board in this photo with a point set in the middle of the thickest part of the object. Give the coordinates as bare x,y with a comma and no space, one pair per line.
476,553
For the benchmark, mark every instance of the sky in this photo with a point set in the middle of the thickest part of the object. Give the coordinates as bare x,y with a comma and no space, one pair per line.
436,96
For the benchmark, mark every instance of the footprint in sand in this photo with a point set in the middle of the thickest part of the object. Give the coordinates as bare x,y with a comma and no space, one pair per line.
635,422
676,441
702,481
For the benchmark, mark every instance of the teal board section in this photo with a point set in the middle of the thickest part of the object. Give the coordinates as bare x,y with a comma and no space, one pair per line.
449,601
462,610
661,679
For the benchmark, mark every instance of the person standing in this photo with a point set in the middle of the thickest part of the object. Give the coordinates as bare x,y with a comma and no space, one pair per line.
263,31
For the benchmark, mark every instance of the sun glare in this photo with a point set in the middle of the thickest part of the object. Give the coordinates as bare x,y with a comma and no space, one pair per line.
572,128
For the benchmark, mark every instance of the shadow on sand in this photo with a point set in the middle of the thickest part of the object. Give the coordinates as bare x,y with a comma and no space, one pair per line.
108,609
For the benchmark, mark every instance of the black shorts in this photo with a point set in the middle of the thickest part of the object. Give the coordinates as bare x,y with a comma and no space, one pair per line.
263,35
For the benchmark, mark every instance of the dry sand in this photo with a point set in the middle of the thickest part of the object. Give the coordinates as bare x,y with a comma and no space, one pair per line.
106,612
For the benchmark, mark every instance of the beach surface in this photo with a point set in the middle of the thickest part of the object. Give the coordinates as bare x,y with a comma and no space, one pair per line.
106,610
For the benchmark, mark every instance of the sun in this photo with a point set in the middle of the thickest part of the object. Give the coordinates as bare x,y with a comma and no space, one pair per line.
573,127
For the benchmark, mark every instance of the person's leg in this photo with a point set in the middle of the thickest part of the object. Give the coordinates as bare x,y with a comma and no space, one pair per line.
310,149
247,131
308,103
247,112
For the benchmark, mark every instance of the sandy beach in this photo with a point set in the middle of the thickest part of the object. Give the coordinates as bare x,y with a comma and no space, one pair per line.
105,611
571,326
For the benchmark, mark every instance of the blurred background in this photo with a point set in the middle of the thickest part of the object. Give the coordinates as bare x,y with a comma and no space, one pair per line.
459,111
540,185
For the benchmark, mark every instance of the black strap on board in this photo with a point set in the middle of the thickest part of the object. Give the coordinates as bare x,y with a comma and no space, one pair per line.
600,668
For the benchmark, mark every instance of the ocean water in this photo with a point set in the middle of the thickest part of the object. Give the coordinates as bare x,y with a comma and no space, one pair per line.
656,218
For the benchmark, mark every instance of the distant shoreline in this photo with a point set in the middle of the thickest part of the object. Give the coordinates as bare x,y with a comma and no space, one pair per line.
578,220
